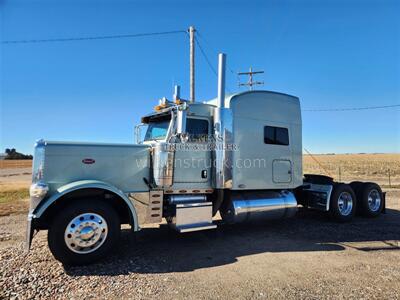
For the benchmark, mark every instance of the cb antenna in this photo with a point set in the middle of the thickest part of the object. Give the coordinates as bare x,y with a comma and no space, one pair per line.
250,83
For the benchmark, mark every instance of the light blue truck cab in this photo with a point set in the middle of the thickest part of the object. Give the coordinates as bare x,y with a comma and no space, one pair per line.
239,155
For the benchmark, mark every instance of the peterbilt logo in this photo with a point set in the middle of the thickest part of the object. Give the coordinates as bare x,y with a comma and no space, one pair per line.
88,161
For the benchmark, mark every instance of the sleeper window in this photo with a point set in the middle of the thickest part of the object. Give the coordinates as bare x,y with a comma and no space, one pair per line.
276,135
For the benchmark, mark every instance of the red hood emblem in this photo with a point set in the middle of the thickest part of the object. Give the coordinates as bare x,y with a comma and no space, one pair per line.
88,161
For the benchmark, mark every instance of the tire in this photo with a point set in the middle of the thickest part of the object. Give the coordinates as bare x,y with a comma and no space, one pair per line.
342,206
370,200
84,232
356,186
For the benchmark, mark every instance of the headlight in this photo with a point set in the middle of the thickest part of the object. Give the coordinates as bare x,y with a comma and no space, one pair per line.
38,190
38,162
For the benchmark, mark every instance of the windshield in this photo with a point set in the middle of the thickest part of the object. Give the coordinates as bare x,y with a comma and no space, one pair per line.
157,130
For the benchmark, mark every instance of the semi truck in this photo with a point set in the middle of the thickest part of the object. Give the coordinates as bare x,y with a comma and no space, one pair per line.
238,155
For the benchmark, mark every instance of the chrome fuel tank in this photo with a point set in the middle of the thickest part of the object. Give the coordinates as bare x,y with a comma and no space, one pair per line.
263,205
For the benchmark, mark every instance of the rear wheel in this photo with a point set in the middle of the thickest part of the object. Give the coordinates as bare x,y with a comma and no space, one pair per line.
356,186
83,232
370,199
342,203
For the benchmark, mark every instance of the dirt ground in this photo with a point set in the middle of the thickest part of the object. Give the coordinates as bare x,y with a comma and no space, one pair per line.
307,257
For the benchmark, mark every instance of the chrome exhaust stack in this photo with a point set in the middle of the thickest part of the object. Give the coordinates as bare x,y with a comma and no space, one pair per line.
223,133
256,206
221,80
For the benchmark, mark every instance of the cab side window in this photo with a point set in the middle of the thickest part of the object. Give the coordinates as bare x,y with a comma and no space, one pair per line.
197,130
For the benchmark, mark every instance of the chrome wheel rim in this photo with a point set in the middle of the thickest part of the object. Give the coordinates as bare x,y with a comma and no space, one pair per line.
374,200
345,203
86,233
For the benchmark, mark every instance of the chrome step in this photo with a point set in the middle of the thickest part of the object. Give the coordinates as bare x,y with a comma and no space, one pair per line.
195,227
193,217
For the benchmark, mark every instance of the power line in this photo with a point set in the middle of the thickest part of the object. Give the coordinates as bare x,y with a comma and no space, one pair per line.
320,164
87,38
353,108
104,37
206,57
205,41
208,61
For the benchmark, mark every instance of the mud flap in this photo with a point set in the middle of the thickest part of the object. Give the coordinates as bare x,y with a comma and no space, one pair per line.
29,232
384,202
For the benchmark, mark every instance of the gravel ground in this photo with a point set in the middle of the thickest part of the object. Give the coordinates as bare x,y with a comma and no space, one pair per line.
304,257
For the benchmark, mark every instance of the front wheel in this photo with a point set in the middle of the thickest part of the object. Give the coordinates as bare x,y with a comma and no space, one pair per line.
342,203
83,232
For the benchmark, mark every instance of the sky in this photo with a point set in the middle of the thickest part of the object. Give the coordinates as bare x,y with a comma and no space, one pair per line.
330,54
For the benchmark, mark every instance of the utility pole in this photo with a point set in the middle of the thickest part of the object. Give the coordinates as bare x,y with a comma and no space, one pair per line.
250,83
191,35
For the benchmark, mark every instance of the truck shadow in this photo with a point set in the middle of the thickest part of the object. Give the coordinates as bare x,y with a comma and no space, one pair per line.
162,250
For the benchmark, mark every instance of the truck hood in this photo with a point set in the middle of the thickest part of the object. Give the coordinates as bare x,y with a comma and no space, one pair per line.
121,165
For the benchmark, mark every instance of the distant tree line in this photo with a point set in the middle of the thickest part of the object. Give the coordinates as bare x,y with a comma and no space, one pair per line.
13,154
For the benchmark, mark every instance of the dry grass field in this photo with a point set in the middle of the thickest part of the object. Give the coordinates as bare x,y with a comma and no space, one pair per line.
349,167
15,163
15,177
352,165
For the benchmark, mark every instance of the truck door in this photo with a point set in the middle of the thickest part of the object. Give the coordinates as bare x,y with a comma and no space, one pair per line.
193,159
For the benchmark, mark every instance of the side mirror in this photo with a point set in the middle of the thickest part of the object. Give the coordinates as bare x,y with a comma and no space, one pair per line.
138,139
